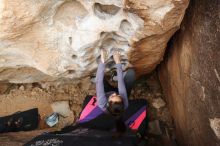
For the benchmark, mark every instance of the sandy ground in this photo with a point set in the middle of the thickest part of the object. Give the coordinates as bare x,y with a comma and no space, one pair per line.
20,97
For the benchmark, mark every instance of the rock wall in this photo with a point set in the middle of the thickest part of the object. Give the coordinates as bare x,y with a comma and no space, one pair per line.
190,76
48,40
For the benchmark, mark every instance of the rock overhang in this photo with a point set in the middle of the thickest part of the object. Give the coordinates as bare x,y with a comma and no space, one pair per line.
61,39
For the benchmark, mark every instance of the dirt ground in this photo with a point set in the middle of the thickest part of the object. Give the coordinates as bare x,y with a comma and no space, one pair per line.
21,97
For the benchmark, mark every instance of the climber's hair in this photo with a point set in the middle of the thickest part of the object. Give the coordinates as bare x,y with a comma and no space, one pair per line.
115,108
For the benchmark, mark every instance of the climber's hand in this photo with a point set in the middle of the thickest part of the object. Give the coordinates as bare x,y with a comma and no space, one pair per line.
116,57
103,55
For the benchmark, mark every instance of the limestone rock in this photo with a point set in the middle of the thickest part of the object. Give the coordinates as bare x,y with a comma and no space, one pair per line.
21,88
215,125
158,103
190,75
60,39
62,108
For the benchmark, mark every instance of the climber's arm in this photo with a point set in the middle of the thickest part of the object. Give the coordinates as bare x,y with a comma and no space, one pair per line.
121,85
100,92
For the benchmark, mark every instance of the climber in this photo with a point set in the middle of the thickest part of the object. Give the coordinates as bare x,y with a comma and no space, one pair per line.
113,100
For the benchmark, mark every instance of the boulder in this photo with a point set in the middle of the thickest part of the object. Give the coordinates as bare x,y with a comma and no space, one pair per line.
158,103
190,76
54,40
62,108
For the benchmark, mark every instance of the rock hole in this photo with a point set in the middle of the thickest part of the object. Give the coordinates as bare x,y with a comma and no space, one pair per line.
36,84
102,34
71,71
70,40
108,44
68,12
126,28
105,11
124,60
74,56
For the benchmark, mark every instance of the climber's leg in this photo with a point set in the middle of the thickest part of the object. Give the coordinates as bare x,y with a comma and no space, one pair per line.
129,80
